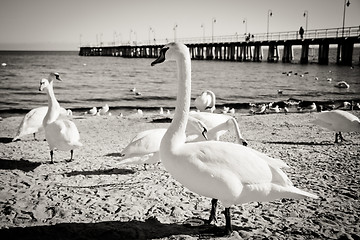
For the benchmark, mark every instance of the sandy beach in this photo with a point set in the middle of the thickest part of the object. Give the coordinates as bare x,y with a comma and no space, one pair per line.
97,197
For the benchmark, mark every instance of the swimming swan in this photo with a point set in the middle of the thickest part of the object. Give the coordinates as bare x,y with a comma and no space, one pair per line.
32,121
60,134
206,101
338,121
230,172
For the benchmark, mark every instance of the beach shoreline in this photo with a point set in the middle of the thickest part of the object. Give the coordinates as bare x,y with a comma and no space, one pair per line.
95,196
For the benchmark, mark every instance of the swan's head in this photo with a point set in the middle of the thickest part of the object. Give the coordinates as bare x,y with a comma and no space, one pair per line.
44,83
172,51
53,76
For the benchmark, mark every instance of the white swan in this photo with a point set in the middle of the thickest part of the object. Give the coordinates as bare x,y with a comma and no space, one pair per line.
219,124
342,84
226,171
32,121
338,121
146,144
60,134
206,101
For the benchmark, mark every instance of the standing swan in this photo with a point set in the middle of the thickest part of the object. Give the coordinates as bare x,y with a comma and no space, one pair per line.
60,134
230,172
32,122
338,121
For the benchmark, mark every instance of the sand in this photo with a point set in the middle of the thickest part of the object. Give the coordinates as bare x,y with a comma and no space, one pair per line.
96,197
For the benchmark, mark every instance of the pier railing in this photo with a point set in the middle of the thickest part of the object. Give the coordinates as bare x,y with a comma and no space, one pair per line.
273,36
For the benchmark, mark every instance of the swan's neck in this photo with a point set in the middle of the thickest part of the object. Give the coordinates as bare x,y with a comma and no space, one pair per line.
53,106
176,132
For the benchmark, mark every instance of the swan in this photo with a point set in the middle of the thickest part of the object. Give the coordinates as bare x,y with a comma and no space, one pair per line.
218,124
338,121
342,84
32,121
147,143
230,172
60,134
205,101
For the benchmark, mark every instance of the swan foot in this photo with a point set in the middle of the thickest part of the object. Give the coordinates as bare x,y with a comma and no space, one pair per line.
228,227
244,143
213,211
339,136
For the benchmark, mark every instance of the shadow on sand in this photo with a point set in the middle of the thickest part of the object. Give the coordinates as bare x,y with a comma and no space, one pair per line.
5,140
118,171
114,155
301,143
149,229
23,165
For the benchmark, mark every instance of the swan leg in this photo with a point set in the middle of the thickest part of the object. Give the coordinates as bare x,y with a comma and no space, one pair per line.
213,211
34,136
336,137
51,156
228,227
71,155
341,137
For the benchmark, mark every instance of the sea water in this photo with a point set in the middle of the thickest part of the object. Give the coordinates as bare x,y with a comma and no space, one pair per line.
131,83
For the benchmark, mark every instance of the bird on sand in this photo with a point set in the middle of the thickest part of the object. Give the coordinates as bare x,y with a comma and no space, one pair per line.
231,173
32,121
61,134
144,147
338,121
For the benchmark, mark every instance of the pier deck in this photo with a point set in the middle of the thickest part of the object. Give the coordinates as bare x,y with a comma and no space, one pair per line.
238,48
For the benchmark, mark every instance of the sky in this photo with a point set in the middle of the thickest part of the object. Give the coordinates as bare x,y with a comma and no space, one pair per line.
65,24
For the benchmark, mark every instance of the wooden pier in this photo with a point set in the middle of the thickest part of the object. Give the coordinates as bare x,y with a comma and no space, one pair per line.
238,48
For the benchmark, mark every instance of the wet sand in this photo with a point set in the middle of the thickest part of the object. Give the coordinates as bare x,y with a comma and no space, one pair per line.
96,197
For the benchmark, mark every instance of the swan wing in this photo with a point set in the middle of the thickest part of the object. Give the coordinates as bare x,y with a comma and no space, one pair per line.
144,143
232,173
337,120
32,122
63,135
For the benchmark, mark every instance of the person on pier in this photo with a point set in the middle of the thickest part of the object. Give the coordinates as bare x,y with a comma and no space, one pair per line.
301,32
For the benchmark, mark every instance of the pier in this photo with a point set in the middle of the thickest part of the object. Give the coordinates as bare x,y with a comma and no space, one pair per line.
279,46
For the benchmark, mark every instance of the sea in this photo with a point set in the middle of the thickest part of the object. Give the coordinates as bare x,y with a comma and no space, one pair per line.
127,84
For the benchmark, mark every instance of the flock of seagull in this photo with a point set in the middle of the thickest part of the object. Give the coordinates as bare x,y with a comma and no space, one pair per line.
189,148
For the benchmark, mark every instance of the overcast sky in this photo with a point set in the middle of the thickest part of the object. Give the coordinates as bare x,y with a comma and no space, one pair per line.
61,24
